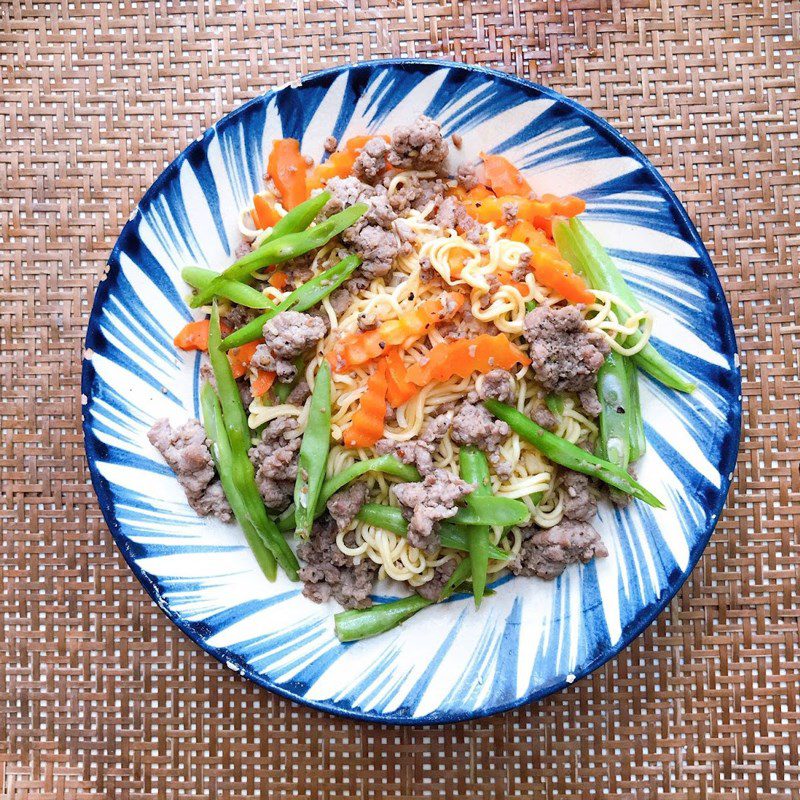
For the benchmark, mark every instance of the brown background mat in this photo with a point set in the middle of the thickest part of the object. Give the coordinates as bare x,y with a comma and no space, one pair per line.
100,696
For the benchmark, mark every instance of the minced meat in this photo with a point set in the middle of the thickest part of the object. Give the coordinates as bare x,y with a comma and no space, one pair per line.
419,145
452,214
426,502
275,459
186,450
545,417
474,425
565,353
419,451
328,572
590,402
468,176
546,553
497,384
286,336
371,161
432,589
580,503
299,394
346,503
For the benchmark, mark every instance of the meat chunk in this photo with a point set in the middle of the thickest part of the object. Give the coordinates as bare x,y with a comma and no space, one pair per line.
346,503
426,502
328,572
523,268
451,214
432,590
474,425
417,193
547,553
545,417
497,384
590,402
367,322
372,236
467,176
419,451
238,316
242,249
579,502
510,211
187,452
286,336
371,161
300,393
565,354
419,145
275,460
330,144
467,327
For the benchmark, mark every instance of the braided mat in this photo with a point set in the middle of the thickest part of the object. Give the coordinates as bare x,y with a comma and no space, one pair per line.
99,695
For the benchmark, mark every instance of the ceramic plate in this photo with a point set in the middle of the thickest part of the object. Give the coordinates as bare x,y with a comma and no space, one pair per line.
450,662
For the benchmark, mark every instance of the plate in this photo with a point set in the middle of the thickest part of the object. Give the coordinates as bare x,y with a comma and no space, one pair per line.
449,663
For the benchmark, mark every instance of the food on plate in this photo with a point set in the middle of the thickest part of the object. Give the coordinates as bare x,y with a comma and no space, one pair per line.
420,370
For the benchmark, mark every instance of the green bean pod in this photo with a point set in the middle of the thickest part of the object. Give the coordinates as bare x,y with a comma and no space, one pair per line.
589,258
614,393
554,404
569,455
301,299
474,468
313,458
391,519
223,461
235,291
493,511
299,218
284,248
638,441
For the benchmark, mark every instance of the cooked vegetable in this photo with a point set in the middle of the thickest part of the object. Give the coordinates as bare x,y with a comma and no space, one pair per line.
278,280
616,401
462,357
388,465
539,214
636,421
555,404
302,298
287,168
193,336
492,510
570,455
283,390
361,347
367,425
549,267
242,471
240,357
592,261
235,291
453,536
399,389
474,468
502,177
262,382
264,213
299,218
314,449
284,248
340,163
223,460
358,624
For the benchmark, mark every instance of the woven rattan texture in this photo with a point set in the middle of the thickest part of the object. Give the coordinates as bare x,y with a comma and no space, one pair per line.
100,696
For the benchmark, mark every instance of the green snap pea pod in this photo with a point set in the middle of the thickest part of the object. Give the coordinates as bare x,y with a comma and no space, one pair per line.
235,422
614,393
569,455
492,510
223,460
590,259
284,248
235,291
302,298
530,305
555,404
474,468
314,448
350,626
638,442
299,218
391,519
388,464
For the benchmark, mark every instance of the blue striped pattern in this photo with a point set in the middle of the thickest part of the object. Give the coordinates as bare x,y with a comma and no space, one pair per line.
449,662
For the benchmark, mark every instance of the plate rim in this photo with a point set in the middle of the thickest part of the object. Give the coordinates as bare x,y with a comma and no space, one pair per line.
729,446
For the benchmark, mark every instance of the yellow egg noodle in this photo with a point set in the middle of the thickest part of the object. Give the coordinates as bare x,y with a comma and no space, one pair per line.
490,301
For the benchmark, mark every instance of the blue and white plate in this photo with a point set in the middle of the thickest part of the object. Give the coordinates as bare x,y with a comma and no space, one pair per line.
450,662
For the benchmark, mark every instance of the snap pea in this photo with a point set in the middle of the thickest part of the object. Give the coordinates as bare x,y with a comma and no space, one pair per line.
530,305
638,441
350,626
590,259
223,460
299,218
391,519
614,393
283,248
493,511
474,468
305,296
235,291
313,458
555,404
569,455
235,422
388,464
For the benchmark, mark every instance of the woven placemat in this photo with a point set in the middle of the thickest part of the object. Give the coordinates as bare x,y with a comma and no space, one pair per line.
99,695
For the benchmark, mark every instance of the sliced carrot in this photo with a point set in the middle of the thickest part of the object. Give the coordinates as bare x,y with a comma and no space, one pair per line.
264,214
340,163
400,390
506,279
479,192
367,425
502,177
194,335
262,382
278,280
287,168
239,357
462,357
359,348
539,213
